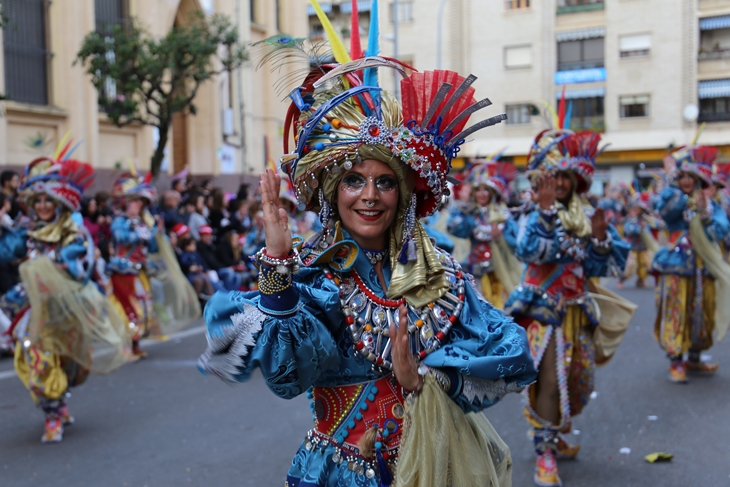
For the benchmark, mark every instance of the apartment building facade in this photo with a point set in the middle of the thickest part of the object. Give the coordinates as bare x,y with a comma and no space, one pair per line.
238,114
645,73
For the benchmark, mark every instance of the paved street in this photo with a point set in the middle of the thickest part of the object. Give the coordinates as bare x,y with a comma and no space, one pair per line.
160,423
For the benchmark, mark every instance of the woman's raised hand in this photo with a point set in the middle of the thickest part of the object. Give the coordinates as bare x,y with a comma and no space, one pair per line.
546,191
276,220
404,365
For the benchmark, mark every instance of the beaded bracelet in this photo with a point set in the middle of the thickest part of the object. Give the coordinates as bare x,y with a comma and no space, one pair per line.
550,212
440,377
288,265
272,281
602,246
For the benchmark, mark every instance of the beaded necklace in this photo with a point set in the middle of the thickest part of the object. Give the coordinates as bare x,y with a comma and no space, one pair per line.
375,256
369,316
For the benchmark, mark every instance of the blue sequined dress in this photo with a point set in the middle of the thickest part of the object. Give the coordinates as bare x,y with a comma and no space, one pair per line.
309,349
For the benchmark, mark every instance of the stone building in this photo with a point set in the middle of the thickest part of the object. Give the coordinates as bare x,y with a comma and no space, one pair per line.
48,96
644,72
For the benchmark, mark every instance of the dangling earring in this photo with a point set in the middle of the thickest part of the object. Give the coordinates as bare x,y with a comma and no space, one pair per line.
409,250
323,237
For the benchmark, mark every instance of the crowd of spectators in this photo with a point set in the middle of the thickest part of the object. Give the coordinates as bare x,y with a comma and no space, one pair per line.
212,232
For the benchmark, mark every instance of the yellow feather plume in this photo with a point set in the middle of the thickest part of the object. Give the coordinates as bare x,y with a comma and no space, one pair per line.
338,47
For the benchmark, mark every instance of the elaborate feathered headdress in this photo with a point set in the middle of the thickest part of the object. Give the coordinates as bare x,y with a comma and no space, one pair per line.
64,181
341,116
133,185
722,172
340,111
564,150
579,156
642,200
695,159
60,177
494,174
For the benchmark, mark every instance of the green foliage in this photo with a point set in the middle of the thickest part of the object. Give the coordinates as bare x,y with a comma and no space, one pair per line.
156,78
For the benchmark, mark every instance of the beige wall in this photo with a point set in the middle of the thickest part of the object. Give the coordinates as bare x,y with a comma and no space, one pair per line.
73,106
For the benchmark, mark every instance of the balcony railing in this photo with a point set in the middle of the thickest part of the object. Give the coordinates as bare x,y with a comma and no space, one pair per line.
571,6
714,117
596,124
716,54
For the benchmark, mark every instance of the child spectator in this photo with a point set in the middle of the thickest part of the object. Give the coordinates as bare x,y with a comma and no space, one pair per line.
195,269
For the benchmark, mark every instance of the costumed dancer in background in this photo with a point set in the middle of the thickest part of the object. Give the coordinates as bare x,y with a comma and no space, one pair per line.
721,196
137,237
59,317
487,222
638,228
370,325
565,243
692,293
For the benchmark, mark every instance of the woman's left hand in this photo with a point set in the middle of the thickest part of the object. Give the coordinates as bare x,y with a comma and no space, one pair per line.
404,365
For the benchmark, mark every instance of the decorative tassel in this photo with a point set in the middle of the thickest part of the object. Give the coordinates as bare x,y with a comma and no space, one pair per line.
366,445
403,254
412,250
385,476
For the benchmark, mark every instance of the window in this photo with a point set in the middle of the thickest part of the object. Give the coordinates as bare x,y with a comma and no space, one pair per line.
518,113
580,54
715,109
518,56
578,3
109,13
253,11
715,44
27,59
277,15
635,45
517,4
405,12
634,106
316,32
586,113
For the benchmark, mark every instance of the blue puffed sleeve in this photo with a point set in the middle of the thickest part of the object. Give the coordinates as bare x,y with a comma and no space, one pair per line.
292,352
461,224
72,256
152,244
719,228
510,231
600,263
671,205
122,231
12,244
537,244
487,353
632,228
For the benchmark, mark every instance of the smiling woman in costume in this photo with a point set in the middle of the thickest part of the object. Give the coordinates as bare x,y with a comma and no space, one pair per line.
488,224
59,317
565,243
692,295
383,332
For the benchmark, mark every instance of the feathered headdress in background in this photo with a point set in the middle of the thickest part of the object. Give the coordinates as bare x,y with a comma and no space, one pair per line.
696,160
60,177
722,172
133,185
494,174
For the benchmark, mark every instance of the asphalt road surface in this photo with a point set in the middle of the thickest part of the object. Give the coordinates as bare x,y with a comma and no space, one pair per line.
159,423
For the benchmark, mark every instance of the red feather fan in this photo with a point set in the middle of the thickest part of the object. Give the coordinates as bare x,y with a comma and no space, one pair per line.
419,90
78,173
704,154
